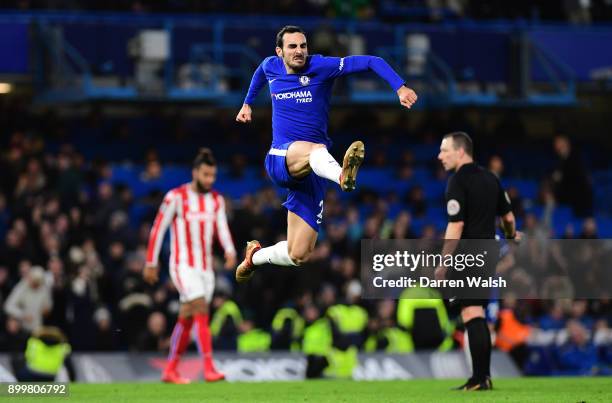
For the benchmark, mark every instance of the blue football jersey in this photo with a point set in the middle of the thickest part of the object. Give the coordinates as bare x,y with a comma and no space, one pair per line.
300,101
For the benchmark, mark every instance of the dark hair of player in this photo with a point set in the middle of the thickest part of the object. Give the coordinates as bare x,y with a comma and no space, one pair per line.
205,156
462,140
287,29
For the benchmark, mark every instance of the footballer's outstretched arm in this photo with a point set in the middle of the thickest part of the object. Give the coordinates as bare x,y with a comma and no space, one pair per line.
361,63
257,83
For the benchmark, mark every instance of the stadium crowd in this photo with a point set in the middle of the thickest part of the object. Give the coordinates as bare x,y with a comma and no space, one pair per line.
574,11
73,251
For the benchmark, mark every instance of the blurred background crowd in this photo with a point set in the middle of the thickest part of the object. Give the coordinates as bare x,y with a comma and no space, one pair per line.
573,11
76,209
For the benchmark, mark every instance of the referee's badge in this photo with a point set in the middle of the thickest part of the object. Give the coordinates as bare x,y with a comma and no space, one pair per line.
304,80
452,207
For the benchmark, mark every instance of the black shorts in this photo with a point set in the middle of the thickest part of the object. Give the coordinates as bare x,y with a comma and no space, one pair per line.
474,295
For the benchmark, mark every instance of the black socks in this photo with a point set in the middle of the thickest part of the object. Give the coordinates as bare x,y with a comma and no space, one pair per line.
480,348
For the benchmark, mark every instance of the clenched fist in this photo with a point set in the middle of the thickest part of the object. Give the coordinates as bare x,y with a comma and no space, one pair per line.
244,116
406,96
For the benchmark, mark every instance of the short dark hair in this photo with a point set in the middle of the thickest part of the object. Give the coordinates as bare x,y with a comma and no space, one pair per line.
462,140
205,156
287,29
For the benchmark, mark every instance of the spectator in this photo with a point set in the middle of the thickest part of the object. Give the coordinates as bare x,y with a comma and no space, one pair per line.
402,227
59,294
155,336
68,180
571,181
106,336
578,356
589,229
152,172
578,312
417,202
135,302
5,284
496,165
14,341
30,300
554,319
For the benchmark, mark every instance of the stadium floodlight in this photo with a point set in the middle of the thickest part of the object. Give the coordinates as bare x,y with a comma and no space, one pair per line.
5,88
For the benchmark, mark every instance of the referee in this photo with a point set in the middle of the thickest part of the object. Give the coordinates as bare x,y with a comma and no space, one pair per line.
474,199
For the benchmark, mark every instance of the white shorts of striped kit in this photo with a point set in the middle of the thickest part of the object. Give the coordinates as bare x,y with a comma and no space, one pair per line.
193,282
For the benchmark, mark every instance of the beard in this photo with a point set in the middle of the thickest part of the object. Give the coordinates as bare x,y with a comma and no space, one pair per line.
201,188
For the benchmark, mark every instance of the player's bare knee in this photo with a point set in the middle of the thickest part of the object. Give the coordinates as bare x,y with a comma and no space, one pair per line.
198,306
185,311
299,257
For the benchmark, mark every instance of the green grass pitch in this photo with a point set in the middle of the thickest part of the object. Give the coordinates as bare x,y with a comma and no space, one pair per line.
554,390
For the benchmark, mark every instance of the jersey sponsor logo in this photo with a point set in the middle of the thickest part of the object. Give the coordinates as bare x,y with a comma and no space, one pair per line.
304,80
453,207
200,216
299,96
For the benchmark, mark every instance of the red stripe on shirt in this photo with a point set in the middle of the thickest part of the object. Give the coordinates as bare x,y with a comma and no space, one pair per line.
185,199
215,211
203,231
177,250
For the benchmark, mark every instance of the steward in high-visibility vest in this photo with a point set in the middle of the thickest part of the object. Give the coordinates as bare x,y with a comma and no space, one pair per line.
45,353
389,340
349,328
349,323
316,342
224,326
253,340
426,304
287,330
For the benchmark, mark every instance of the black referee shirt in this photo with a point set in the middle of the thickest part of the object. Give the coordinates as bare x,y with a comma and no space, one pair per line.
476,197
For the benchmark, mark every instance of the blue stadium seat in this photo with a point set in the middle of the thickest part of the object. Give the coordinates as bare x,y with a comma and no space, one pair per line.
540,361
527,188
378,179
434,190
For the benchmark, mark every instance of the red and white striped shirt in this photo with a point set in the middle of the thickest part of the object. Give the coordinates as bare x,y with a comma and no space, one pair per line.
195,218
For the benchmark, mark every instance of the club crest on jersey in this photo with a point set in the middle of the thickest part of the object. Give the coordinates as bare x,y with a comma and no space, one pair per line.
304,80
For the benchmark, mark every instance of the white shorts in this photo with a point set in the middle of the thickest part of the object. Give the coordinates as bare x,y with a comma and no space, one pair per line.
193,283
